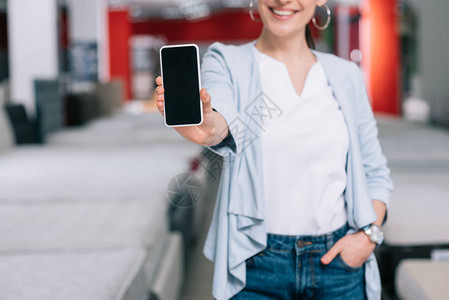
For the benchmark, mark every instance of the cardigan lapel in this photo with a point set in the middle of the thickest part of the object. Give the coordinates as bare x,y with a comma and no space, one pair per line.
334,76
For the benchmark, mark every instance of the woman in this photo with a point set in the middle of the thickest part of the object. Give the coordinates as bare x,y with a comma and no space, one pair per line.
305,186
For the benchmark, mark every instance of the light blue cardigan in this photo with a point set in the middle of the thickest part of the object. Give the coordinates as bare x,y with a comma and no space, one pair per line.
237,231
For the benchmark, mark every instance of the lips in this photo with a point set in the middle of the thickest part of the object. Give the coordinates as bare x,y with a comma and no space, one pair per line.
282,12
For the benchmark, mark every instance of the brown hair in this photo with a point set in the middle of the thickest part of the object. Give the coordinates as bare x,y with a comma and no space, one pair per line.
309,38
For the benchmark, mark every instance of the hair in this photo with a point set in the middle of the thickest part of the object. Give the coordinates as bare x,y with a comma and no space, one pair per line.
309,38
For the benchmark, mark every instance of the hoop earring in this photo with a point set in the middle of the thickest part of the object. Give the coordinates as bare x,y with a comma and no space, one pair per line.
328,11
251,13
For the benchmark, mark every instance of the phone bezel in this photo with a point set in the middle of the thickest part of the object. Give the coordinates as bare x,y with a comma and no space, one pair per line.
199,80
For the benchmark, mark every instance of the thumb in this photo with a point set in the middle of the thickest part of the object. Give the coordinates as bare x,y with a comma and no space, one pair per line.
331,254
206,99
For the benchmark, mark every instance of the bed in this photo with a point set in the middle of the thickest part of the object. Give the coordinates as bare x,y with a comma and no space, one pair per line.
93,196
422,279
417,217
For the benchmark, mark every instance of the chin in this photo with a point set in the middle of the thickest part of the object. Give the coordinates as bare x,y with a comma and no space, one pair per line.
284,31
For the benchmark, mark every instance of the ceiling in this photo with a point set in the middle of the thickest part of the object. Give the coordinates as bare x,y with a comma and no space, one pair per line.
175,9
190,9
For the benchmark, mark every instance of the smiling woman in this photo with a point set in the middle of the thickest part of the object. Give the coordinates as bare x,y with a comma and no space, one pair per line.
304,183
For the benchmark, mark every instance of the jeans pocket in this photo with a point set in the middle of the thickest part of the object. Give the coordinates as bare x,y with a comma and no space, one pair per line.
345,266
251,260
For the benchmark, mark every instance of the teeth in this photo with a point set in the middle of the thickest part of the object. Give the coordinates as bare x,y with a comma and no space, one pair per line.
283,12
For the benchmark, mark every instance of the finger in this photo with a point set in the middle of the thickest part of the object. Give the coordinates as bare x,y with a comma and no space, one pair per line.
206,99
160,107
331,254
160,90
160,101
159,80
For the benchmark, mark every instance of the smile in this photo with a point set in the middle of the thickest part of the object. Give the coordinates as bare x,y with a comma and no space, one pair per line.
283,12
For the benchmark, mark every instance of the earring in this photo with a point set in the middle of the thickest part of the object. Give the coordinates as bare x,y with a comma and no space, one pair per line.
251,13
328,11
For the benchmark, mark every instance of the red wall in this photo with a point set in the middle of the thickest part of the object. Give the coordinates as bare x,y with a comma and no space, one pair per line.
237,26
385,56
120,31
225,26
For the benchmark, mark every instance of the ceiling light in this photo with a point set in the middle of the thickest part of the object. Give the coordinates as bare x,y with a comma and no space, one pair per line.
136,11
193,9
235,3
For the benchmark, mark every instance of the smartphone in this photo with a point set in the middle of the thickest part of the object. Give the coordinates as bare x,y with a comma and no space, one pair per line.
180,71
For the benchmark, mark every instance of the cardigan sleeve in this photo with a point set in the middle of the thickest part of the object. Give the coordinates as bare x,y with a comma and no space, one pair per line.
380,185
216,79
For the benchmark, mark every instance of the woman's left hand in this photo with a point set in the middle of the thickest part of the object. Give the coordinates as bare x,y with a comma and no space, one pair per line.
353,248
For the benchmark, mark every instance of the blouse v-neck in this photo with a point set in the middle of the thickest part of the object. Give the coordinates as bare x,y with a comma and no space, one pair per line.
280,66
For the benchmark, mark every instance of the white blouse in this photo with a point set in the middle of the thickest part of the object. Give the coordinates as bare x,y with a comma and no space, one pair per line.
304,150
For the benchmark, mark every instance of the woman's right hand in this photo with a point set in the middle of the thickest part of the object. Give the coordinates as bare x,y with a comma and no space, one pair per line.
210,132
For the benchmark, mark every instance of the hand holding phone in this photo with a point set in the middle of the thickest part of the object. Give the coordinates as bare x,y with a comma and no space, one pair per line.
180,100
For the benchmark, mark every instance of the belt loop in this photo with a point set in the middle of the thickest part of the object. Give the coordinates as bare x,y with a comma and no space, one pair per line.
329,240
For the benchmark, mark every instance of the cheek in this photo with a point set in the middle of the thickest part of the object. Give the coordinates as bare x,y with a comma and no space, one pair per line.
262,8
309,12
264,12
309,15
309,7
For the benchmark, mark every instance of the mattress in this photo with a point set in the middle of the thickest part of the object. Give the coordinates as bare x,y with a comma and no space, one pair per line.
100,189
419,162
92,275
81,226
91,174
422,280
86,232
116,158
419,196
118,130
408,144
417,216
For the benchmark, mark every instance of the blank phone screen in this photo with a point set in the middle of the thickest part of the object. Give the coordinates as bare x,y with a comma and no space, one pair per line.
181,85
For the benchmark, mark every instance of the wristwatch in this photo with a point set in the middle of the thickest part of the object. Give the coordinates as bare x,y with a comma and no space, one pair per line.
374,233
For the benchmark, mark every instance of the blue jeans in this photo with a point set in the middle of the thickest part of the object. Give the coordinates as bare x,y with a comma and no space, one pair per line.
290,268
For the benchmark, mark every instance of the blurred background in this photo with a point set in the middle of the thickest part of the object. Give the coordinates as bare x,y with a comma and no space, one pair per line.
99,200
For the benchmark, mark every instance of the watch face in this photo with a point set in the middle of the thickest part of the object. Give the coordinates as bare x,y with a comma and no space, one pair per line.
376,234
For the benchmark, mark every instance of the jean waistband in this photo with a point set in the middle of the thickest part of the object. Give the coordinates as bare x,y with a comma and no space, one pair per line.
291,241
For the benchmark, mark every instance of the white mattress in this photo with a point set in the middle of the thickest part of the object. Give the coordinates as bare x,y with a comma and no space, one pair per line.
120,129
418,214
81,226
94,275
406,142
118,158
419,160
422,280
92,192
91,174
